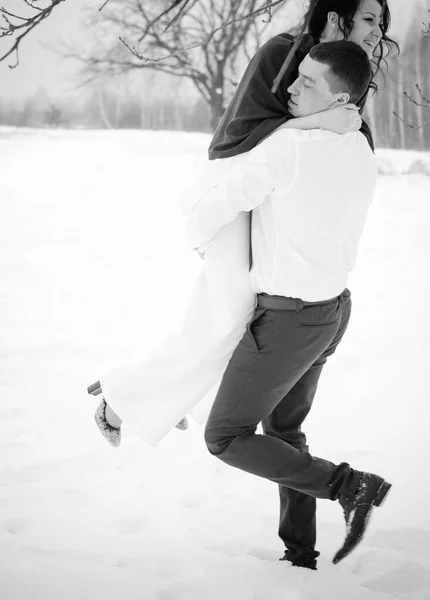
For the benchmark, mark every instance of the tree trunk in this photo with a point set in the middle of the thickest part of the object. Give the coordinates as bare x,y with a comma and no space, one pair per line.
103,112
217,109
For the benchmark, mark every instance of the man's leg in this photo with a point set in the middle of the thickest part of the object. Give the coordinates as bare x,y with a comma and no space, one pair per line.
278,348
297,518
297,522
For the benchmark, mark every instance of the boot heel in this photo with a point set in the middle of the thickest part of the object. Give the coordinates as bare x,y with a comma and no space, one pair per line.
95,389
382,494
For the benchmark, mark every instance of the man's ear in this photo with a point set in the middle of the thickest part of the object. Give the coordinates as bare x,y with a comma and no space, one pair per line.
343,99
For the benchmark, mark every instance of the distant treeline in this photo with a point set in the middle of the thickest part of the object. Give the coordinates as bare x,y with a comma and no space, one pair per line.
106,109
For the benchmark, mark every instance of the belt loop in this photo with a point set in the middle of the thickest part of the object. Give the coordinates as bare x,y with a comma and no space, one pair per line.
299,305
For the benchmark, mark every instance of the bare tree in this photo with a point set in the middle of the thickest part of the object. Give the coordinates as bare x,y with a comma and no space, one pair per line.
203,42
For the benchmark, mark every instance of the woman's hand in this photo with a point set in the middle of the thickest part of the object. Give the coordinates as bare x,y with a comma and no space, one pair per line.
342,119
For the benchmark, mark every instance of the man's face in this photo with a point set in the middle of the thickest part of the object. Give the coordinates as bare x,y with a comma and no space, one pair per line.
310,93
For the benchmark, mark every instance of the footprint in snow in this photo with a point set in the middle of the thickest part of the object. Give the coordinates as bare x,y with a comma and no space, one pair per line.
17,526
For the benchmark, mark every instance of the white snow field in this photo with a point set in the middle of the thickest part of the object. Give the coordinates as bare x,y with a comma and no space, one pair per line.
93,271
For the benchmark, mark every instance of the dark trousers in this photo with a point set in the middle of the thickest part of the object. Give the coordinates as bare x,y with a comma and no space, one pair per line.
272,378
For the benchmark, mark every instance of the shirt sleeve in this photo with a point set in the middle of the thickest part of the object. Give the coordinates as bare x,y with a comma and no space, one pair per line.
268,167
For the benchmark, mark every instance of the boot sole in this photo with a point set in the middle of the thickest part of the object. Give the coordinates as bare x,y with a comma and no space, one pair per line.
382,494
94,389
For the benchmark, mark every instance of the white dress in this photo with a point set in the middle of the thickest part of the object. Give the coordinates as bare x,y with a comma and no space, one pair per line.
183,374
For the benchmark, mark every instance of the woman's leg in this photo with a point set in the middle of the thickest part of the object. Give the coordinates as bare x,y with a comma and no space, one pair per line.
157,392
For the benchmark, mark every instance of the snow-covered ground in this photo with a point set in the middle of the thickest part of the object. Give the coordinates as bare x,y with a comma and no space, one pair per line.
93,270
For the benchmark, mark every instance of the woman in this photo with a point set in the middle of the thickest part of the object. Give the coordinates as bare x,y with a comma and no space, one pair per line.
184,375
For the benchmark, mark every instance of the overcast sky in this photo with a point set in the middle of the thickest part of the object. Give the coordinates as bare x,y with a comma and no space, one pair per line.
40,68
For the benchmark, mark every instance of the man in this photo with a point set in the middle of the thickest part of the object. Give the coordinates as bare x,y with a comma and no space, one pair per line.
309,192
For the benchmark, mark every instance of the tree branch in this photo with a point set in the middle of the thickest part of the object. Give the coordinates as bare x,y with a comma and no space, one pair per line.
427,100
26,24
426,31
255,13
147,59
270,4
181,12
165,12
408,124
31,4
103,5
409,97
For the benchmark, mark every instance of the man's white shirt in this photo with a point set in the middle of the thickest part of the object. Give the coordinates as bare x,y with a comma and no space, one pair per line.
309,192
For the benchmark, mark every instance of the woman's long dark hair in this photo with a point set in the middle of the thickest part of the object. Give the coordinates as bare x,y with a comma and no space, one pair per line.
346,9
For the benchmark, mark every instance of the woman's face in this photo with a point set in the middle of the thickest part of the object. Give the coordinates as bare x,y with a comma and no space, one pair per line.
366,31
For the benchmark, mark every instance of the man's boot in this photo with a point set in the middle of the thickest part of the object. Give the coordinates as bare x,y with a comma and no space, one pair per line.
357,507
308,560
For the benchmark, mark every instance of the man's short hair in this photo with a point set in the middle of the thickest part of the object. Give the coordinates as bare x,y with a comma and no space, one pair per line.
350,68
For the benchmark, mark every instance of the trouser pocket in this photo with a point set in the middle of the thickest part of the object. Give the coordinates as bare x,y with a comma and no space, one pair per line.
260,328
321,316
259,312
